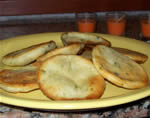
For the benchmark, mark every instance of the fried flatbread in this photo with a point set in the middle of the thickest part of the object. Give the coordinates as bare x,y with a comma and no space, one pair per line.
134,55
70,49
84,38
20,80
119,69
27,55
70,77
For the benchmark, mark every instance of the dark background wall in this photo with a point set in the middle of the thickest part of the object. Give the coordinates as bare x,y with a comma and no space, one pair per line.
24,7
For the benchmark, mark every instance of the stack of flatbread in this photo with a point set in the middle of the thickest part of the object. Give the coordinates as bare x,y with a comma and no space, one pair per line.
77,71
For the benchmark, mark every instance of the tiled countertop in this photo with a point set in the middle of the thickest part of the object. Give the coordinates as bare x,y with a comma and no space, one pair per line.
16,27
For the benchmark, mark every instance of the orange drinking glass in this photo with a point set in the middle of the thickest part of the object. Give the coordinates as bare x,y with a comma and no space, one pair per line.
116,23
86,22
145,27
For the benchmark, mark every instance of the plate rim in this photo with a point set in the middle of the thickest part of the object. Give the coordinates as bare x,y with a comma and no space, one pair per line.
72,105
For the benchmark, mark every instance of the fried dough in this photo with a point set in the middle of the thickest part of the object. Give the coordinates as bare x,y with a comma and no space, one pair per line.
70,49
20,80
84,38
70,77
134,55
119,69
27,55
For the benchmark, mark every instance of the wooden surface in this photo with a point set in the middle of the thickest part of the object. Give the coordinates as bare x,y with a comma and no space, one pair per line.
22,7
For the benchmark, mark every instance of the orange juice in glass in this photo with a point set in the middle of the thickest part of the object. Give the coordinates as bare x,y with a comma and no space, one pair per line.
145,26
116,23
86,22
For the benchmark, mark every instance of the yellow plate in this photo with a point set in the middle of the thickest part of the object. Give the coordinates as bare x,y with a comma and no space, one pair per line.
112,95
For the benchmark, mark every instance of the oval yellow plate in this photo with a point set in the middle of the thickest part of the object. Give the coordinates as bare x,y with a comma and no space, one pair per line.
112,96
